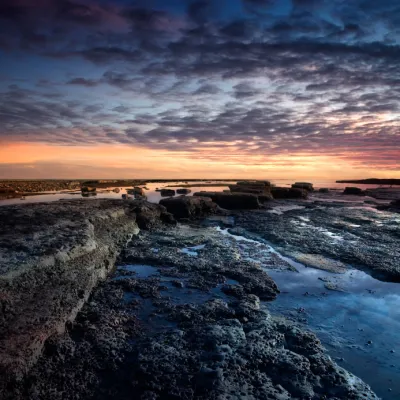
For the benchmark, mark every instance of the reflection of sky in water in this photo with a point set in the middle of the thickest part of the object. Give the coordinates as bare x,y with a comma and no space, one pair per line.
151,194
346,321
192,251
367,310
139,270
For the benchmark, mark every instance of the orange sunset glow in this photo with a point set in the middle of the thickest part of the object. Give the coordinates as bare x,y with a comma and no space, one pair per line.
118,161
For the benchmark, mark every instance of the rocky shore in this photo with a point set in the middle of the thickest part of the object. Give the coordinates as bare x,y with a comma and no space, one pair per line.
184,316
52,256
24,187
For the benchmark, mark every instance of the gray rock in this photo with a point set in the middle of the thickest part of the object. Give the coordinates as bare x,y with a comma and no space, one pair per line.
232,201
53,255
184,207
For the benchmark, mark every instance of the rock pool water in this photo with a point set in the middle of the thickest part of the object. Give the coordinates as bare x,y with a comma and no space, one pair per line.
359,322
356,316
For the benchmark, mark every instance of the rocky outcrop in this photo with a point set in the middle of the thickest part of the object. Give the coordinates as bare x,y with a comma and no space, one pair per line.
136,191
232,201
183,191
372,181
167,192
184,207
222,349
286,193
394,206
193,327
254,187
354,191
260,188
303,185
52,256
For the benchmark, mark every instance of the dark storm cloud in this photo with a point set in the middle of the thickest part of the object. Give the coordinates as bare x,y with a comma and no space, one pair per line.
284,79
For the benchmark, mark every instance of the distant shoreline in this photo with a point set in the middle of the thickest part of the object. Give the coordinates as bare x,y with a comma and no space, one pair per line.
372,181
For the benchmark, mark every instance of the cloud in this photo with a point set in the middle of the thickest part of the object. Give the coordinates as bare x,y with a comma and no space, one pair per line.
83,82
195,76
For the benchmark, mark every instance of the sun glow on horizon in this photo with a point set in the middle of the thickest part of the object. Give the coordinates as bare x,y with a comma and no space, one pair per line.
37,160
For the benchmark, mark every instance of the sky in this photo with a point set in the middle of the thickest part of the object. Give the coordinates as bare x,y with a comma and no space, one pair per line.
285,89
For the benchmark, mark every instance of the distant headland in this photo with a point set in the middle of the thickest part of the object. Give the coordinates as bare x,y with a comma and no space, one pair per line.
372,181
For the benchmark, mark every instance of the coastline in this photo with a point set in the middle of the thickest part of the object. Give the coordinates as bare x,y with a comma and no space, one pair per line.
135,301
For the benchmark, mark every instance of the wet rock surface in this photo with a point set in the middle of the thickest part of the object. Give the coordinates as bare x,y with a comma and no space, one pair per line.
349,233
52,256
182,318
185,315
184,207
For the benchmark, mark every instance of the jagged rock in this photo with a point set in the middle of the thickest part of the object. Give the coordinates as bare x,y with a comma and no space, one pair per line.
189,207
214,354
150,215
232,201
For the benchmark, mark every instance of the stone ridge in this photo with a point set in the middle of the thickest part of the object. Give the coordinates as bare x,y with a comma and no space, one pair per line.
52,256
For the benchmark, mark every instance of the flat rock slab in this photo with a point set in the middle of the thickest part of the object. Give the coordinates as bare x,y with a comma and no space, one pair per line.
51,257
232,201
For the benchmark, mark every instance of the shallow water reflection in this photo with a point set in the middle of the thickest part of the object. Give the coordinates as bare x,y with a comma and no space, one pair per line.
359,325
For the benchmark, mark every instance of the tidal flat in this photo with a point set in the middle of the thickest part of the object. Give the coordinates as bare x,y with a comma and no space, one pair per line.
296,300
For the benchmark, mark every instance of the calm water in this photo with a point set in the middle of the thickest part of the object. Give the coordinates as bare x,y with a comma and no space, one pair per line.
359,324
154,197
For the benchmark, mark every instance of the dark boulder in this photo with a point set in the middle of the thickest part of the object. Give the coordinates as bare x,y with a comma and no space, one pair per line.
232,201
183,191
167,192
254,187
324,190
354,191
303,185
286,193
260,188
150,215
184,207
